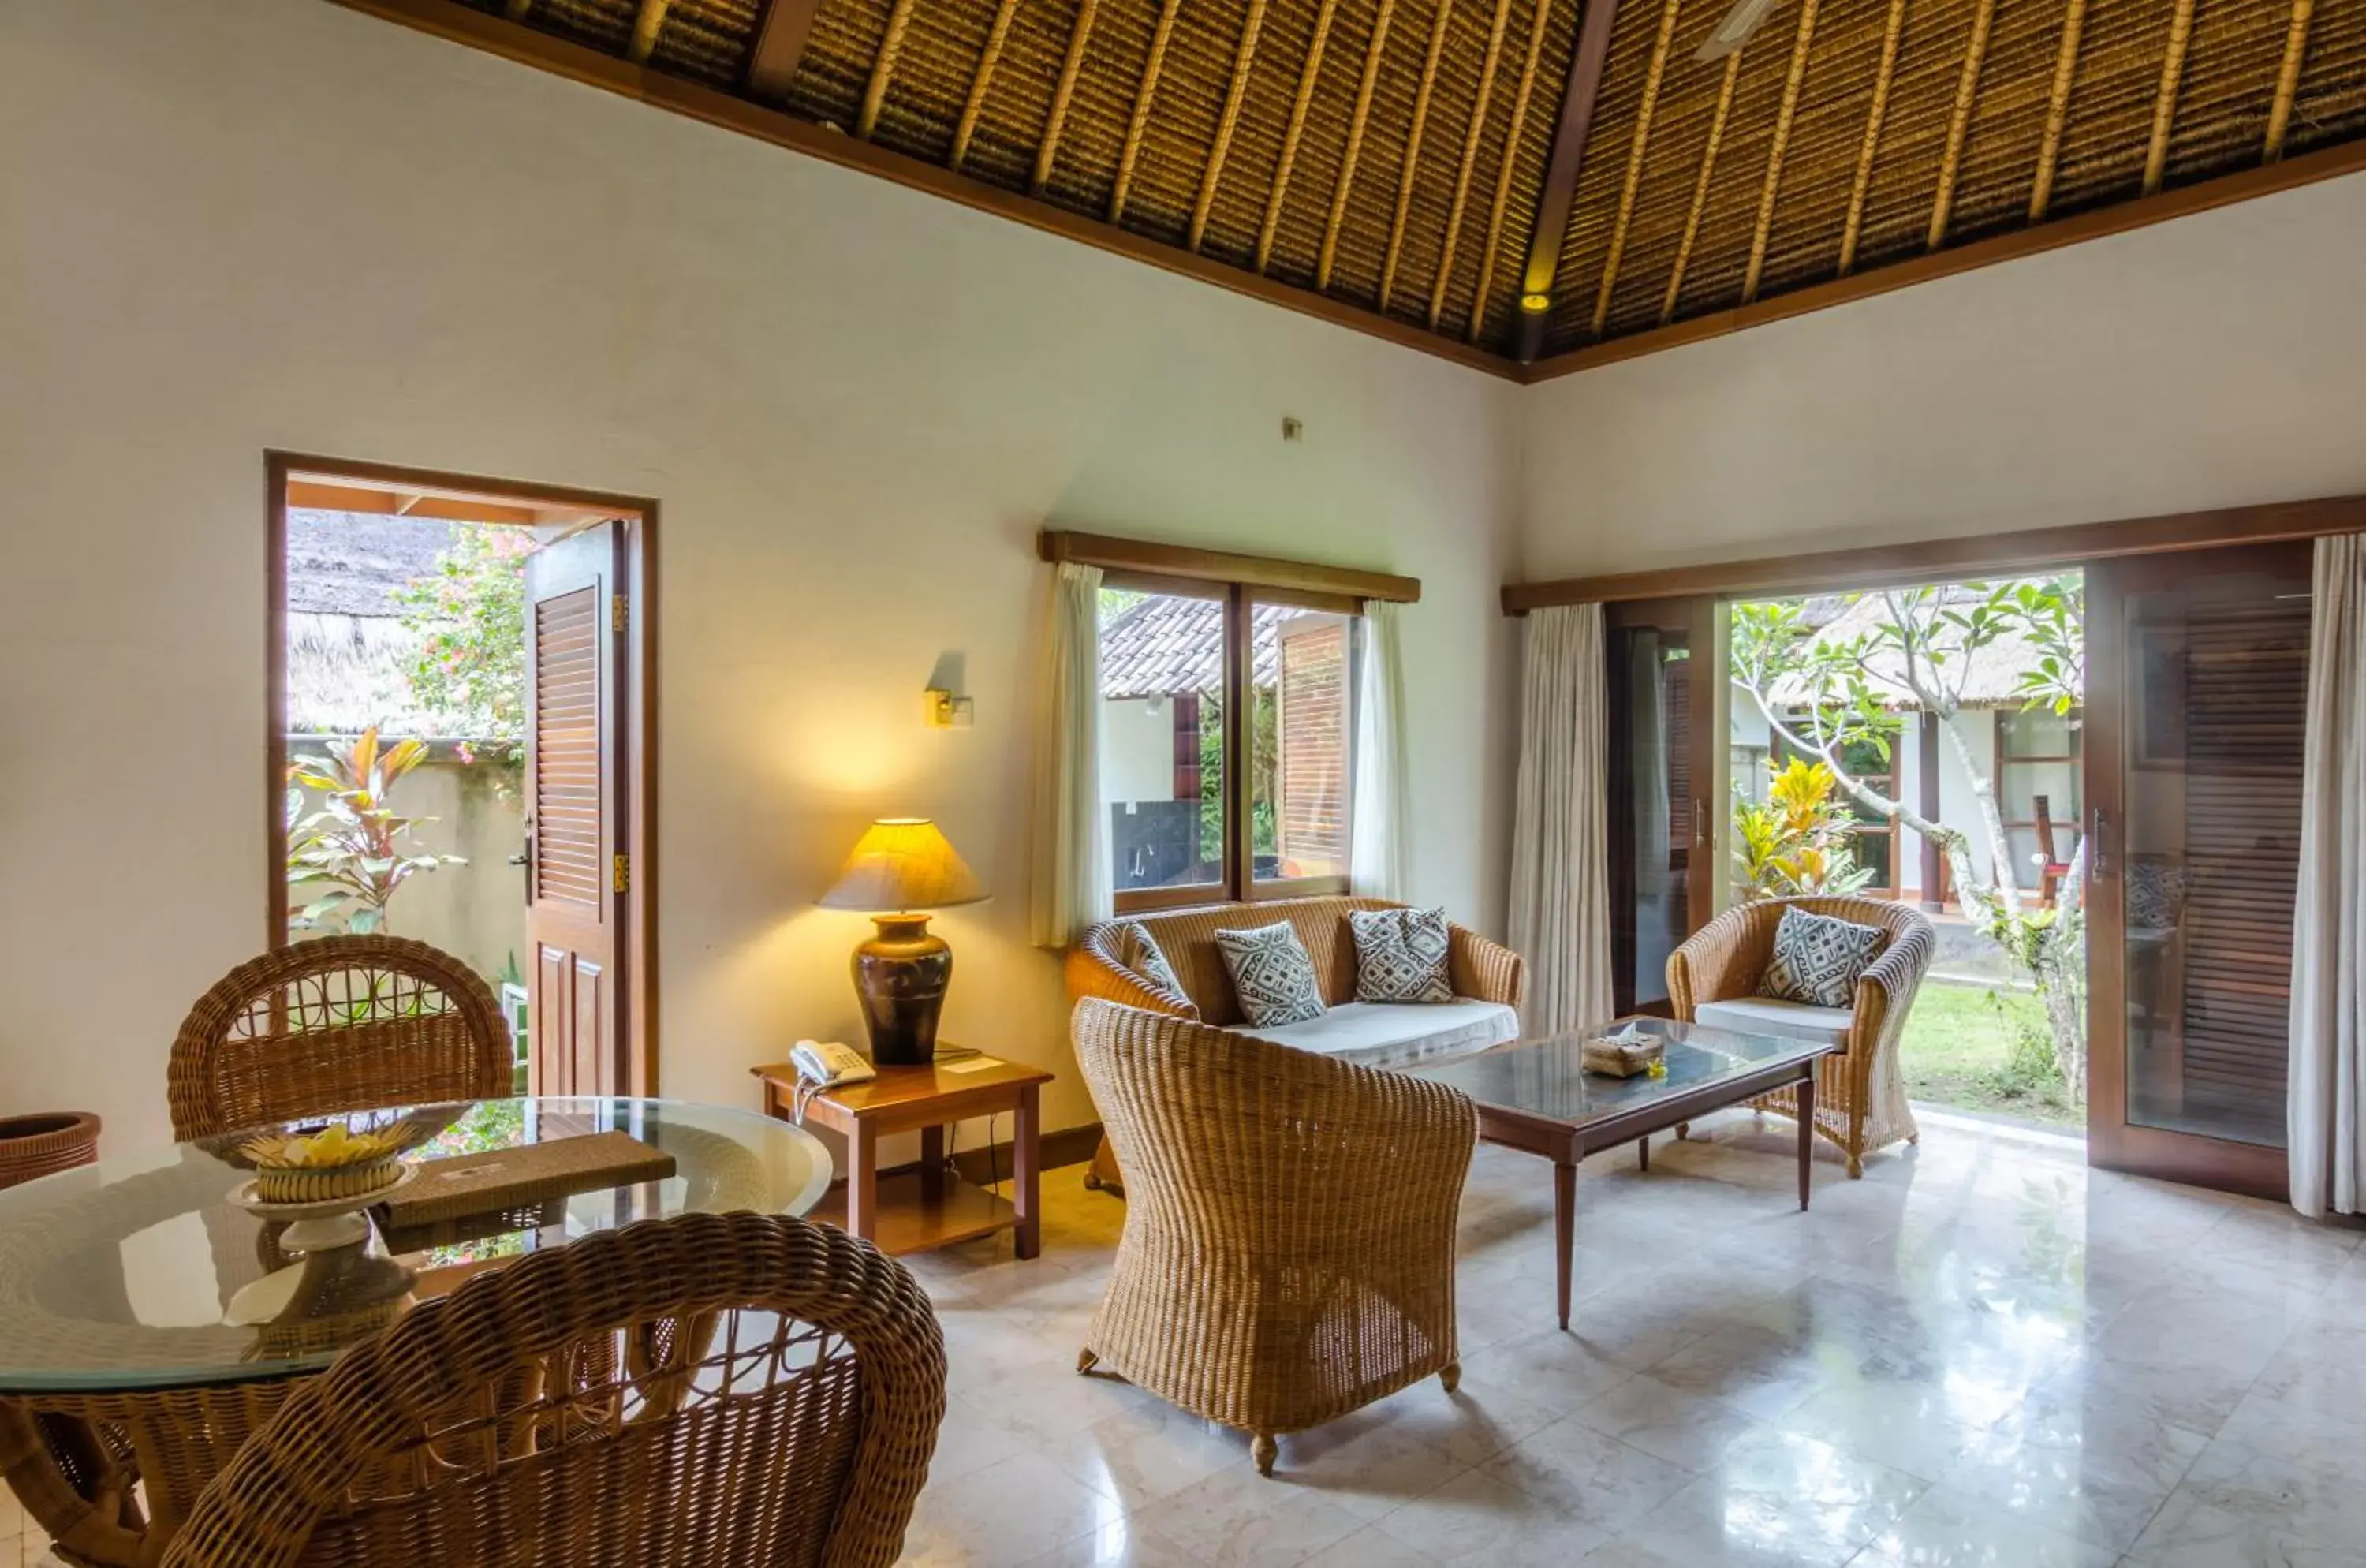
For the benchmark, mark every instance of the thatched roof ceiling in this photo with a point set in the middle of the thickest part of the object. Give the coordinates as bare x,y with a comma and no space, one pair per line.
1392,156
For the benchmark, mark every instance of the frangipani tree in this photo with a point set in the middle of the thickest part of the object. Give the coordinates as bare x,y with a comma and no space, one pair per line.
1826,696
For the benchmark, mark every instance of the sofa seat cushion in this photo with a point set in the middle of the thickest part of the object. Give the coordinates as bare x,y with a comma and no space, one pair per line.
1785,1021
1394,1034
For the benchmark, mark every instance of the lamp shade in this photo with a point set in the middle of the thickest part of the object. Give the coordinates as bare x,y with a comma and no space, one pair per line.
903,862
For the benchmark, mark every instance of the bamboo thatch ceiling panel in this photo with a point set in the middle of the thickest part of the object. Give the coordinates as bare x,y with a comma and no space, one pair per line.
1392,155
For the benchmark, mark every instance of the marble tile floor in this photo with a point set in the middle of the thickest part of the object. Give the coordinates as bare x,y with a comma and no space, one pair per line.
1983,1354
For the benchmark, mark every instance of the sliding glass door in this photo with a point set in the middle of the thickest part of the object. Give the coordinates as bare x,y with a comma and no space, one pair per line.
2197,677
1666,782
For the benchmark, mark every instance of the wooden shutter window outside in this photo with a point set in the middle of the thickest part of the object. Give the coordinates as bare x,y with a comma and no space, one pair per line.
566,760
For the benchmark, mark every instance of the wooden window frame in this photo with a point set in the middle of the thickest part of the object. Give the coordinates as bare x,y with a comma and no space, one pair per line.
1240,884
351,485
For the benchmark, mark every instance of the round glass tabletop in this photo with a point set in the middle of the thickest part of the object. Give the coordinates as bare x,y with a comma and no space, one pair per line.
142,1272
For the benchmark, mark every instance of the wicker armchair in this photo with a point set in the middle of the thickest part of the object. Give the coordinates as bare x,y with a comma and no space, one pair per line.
715,1390
1860,1094
1480,969
337,1023
1288,1254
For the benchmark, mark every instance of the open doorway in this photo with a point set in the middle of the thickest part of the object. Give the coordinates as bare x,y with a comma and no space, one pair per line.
459,691
1923,745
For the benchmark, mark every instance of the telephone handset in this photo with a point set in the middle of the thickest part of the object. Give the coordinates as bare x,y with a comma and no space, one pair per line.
824,1063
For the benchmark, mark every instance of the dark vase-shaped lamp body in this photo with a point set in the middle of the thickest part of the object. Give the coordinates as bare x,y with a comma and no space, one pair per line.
901,973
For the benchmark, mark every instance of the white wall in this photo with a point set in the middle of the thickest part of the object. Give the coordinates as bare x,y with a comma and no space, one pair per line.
255,223
1137,749
2215,360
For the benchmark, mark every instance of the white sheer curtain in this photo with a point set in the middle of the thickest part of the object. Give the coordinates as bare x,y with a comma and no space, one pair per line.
1377,847
1560,833
2326,1130
1070,886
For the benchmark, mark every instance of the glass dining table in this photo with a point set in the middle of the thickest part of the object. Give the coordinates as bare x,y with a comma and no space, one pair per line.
131,1346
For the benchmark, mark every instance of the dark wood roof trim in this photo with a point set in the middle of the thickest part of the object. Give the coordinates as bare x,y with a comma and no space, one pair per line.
2028,550
1113,554
1571,132
2325,163
495,35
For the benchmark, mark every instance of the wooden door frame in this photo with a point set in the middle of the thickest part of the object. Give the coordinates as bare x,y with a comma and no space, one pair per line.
474,497
2112,1142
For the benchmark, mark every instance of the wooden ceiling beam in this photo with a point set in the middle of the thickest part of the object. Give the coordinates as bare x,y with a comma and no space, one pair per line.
2288,78
1231,118
883,69
1782,140
2164,105
1653,74
1144,96
996,35
1875,113
1412,169
1363,114
1959,123
1700,184
1571,132
1062,95
1506,166
1297,108
647,25
1470,160
781,36
2057,110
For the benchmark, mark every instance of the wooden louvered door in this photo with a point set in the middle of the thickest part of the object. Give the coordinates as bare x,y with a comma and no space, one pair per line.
574,779
2197,677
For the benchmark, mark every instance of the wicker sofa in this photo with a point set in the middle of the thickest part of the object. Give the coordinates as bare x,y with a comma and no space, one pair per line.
1487,978
1860,1093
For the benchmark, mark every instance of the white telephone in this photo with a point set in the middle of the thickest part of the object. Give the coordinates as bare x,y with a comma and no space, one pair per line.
824,1064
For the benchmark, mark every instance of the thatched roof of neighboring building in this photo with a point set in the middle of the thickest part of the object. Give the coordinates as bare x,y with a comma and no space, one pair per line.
1990,676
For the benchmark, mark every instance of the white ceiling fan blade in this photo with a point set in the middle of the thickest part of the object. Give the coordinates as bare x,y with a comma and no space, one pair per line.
1734,31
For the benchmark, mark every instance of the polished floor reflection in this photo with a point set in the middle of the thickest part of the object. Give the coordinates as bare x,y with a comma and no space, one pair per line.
1984,1353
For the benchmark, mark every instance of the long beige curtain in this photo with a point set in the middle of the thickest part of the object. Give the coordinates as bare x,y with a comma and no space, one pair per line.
1560,833
2326,1086
1069,887
1377,846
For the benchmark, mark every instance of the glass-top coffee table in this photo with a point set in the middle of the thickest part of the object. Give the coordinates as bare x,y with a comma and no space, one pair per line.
1536,1095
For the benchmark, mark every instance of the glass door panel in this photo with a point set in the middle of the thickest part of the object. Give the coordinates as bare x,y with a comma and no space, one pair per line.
2198,678
1662,708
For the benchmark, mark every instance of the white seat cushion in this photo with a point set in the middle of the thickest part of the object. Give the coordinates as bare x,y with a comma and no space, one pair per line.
1785,1021
1394,1034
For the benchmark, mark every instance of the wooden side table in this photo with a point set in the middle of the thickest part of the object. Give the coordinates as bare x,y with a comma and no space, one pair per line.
911,1211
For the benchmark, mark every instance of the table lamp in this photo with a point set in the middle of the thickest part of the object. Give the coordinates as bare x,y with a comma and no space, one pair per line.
903,863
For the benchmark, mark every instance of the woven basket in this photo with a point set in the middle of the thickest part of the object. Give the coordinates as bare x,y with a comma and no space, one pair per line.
43,1145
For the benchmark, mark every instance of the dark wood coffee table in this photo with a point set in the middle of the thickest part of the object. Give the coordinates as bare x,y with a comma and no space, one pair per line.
1536,1095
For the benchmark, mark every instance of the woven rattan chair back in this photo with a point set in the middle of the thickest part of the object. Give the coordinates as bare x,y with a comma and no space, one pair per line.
337,1023
717,1391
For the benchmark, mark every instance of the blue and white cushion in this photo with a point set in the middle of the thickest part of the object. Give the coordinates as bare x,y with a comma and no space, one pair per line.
1272,975
1401,955
1818,959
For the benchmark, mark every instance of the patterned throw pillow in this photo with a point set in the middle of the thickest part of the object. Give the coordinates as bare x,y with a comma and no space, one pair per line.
1818,959
1272,975
1401,955
1139,951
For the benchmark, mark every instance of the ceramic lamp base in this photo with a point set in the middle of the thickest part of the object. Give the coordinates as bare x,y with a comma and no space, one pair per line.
901,975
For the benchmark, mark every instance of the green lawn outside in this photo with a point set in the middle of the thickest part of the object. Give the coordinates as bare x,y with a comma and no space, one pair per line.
1983,1050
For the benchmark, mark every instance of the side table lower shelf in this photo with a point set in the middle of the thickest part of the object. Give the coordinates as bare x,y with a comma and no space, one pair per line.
911,1220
